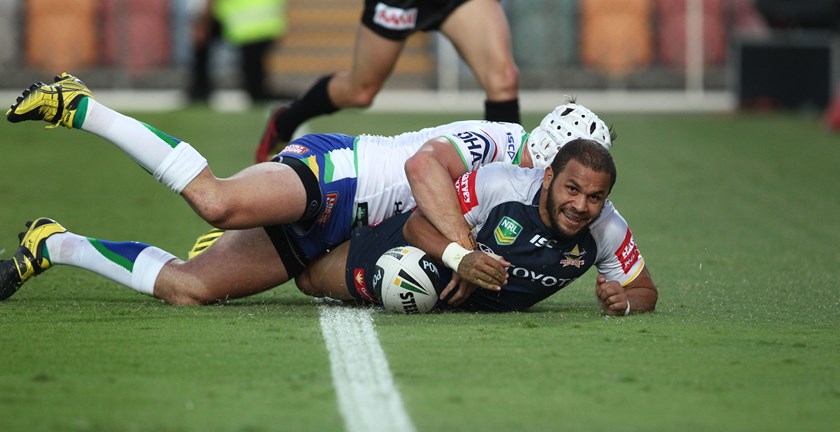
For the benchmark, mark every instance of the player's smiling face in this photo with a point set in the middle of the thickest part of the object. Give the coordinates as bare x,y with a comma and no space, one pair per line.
573,198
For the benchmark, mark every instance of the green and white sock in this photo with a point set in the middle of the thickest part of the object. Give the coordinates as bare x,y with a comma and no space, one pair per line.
171,161
135,265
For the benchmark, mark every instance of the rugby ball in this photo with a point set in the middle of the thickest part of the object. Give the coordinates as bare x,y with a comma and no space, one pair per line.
406,280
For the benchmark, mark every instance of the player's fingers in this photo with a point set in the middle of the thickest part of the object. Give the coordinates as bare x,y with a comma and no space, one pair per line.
464,291
492,280
500,259
494,270
609,289
458,298
452,285
483,280
616,304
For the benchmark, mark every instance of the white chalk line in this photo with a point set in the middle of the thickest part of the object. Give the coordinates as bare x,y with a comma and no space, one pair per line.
367,397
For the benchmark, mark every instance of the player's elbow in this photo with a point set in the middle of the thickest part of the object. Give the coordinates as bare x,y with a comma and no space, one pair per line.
644,299
413,166
418,165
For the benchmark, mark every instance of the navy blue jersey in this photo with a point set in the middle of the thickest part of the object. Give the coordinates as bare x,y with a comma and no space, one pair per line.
501,203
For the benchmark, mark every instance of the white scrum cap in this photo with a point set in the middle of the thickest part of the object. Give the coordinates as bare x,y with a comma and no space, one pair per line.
566,123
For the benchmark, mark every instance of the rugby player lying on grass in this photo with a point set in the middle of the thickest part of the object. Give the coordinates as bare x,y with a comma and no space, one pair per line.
281,215
548,226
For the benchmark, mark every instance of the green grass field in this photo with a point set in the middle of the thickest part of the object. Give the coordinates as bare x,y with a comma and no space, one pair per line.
736,216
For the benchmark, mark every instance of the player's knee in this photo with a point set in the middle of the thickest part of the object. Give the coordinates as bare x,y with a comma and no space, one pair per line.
502,83
212,203
180,295
217,211
177,287
306,285
363,96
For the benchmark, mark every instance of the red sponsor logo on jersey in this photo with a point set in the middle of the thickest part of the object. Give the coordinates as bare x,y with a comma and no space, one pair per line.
295,149
395,18
627,253
465,187
329,203
361,287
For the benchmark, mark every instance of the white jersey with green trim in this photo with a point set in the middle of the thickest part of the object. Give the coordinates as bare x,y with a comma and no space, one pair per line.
382,188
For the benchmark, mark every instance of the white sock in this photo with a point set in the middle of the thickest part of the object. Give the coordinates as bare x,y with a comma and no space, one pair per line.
135,265
171,161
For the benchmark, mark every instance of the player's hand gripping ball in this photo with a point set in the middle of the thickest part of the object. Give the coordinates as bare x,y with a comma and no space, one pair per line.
406,280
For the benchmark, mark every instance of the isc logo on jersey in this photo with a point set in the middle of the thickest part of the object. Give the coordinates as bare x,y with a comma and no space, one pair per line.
395,18
511,146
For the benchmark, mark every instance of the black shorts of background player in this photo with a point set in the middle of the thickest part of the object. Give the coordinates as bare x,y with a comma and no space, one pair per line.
478,29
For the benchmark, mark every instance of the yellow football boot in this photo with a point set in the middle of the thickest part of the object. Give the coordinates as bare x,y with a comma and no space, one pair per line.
55,103
30,259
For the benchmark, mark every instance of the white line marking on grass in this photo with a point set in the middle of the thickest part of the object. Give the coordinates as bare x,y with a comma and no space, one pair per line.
367,397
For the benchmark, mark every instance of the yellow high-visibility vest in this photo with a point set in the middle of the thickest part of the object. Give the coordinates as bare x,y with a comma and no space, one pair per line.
245,21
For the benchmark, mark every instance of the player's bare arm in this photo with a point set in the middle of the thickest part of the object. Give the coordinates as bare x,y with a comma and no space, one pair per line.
430,173
639,295
475,267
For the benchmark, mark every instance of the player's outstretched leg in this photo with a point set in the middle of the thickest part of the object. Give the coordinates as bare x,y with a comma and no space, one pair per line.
46,243
31,257
70,103
285,120
271,143
56,103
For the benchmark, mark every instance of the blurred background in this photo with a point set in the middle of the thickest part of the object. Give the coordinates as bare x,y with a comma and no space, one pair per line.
617,54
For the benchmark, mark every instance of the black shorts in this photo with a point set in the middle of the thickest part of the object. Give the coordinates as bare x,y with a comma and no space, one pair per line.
399,19
367,244
290,246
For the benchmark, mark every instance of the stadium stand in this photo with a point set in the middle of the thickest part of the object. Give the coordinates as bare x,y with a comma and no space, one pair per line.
616,35
671,45
9,28
45,49
321,39
542,43
568,46
136,34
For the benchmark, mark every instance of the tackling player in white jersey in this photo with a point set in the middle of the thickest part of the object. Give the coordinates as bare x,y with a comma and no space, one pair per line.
294,210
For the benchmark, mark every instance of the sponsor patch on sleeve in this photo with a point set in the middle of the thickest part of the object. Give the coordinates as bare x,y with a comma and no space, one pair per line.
465,188
627,253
